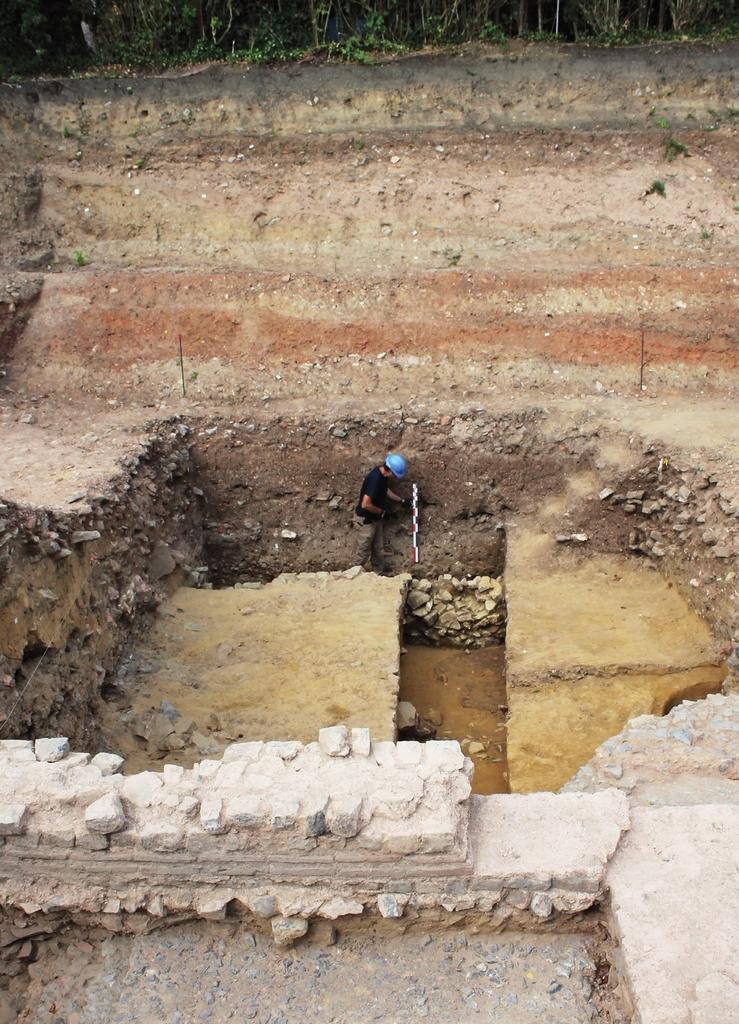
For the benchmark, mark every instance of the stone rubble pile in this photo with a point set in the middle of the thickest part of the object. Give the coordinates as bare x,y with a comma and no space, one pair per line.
459,612
676,506
686,515
697,741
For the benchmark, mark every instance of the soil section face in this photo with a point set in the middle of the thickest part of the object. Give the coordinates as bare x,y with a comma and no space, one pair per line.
592,641
463,693
281,661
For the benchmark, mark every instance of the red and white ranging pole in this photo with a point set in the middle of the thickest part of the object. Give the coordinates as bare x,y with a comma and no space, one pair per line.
414,520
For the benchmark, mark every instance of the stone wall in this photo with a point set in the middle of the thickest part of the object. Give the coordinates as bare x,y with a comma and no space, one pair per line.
76,582
466,612
284,830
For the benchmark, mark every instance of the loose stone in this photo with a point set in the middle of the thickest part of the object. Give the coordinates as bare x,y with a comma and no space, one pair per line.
334,741
12,819
391,905
105,815
541,905
286,931
51,749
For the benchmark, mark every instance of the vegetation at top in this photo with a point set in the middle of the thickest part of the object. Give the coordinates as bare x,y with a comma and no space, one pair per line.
40,37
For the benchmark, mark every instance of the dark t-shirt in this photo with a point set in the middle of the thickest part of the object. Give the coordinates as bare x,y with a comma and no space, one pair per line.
374,486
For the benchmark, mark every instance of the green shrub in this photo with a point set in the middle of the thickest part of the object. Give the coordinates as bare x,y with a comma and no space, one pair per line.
493,33
674,149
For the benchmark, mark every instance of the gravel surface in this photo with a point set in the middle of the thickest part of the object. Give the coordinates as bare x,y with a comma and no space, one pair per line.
204,972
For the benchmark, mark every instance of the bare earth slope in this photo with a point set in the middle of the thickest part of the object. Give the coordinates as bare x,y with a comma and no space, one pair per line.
491,204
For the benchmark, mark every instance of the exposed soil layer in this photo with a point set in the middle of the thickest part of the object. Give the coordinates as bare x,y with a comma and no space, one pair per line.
595,611
462,693
591,642
93,327
556,728
76,584
282,661
497,205
489,85
304,475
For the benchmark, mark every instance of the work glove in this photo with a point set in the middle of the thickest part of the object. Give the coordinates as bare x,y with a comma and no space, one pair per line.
406,503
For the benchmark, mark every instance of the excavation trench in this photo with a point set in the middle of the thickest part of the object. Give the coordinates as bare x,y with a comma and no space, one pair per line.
206,600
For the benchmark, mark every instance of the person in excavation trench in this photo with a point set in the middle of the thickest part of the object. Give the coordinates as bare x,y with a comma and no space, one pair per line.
373,509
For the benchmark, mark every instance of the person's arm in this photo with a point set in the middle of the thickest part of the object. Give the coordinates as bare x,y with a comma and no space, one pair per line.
405,502
370,506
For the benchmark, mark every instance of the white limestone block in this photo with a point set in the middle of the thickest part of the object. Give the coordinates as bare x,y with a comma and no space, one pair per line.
407,715
384,753
444,755
189,806
256,782
230,775
342,817
437,840
205,769
105,815
173,774
398,796
285,812
408,753
213,908
78,759
144,789
246,811
361,742
109,764
339,907
716,999
211,815
404,843
17,750
284,749
334,741
162,837
12,819
51,749
247,752
155,906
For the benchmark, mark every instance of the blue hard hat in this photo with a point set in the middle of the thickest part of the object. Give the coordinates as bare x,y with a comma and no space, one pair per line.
396,464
